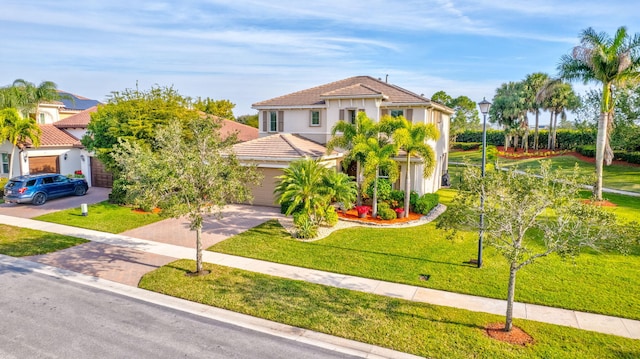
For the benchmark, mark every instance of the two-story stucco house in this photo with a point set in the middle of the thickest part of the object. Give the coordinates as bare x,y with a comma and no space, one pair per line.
301,122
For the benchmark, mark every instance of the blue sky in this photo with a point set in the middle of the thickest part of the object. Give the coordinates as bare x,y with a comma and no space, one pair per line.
249,51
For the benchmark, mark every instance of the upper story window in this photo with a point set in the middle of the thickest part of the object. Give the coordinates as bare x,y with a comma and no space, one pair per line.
41,118
273,121
397,113
315,118
5,163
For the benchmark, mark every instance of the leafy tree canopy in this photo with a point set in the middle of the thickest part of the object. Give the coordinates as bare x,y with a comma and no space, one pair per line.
220,108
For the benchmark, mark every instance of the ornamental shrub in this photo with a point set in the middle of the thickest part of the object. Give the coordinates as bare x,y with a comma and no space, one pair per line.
305,226
587,150
384,189
330,216
385,212
426,203
466,146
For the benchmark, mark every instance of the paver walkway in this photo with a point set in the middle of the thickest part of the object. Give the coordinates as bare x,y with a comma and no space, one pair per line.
595,322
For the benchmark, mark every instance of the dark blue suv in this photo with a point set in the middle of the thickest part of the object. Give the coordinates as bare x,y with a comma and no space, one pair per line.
37,189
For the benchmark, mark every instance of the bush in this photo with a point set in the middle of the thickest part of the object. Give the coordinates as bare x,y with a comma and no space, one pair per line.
397,198
330,216
3,182
426,203
385,212
305,226
633,157
466,146
413,199
586,150
384,189
118,194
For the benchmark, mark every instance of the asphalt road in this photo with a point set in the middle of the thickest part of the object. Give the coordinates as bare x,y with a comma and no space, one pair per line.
46,317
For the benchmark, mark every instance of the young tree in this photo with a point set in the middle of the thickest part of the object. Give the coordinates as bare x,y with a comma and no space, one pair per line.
190,172
528,217
412,137
612,62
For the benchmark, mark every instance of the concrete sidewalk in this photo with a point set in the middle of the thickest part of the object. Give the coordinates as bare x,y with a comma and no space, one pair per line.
587,321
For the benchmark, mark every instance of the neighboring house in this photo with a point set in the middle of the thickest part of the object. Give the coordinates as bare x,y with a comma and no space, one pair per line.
310,114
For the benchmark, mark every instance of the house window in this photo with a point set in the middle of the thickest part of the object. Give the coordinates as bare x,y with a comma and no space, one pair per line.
397,113
315,118
273,121
5,163
41,118
352,116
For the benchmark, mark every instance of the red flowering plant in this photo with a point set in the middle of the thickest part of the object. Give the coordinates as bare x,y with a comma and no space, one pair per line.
363,209
399,210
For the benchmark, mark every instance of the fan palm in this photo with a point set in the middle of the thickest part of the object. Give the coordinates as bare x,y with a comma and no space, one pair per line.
612,62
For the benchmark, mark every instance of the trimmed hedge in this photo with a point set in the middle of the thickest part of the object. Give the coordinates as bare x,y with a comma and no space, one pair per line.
426,203
588,150
466,146
565,139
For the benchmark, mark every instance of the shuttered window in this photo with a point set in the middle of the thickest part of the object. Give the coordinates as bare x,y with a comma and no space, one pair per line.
273,121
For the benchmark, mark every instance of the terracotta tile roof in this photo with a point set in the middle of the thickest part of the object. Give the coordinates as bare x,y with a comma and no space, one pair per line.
280,146
243,132
79,120
353,86
55,137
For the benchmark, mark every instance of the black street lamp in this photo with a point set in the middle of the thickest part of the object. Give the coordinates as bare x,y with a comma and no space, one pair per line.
484,108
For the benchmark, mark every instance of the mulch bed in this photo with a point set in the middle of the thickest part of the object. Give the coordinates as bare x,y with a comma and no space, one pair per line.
352,214
603,203
515,336
140,211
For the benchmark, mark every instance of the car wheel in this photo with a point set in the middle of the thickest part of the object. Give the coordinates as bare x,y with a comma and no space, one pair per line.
80,191
39,199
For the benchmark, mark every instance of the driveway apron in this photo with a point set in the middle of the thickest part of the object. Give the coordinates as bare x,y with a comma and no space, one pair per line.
94,195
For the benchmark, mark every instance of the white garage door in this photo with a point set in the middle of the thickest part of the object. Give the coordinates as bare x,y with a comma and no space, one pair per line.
263,193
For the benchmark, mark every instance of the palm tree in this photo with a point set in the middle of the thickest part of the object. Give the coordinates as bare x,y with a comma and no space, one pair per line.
533,84
351,133
301,187
19,132
339,187
557,96
509,110
31,96
378,154
412,137
612,62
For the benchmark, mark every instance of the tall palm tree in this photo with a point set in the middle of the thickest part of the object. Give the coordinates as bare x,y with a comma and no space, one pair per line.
557,96
378,154
19,132
31,96
350,134
412,137
612,62
533,84
509,110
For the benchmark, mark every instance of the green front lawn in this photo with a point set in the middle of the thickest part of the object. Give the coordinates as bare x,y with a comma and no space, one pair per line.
626,178
417,328
595,282
22,242
103,216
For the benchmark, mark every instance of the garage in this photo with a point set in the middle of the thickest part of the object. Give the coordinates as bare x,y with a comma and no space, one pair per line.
263,193
44,164
100,177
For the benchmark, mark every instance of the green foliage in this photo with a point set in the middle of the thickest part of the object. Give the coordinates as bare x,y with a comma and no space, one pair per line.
587,150
466,146
340,188
135,116
306,228
384,190
189,173
220,108
396,198
426,203
249,120
385,212
566,139
330,216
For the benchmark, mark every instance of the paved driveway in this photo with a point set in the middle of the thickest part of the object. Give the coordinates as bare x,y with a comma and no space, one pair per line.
236,218
95,195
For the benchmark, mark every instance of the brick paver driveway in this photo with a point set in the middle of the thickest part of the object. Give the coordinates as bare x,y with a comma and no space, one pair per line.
236,219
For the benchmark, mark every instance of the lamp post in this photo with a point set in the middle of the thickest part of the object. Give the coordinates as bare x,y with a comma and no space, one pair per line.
484,108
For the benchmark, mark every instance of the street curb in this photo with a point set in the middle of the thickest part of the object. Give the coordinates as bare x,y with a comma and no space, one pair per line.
305,336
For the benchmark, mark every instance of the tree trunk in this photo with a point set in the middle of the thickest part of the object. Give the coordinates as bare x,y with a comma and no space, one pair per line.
511,293
407,187
550,130
525,140
374,205
600,149
535,135
358,184
555,130
198,249
515,143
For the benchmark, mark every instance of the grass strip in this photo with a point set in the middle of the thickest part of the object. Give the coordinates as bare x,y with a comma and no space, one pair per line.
103,216
22,242
417,328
